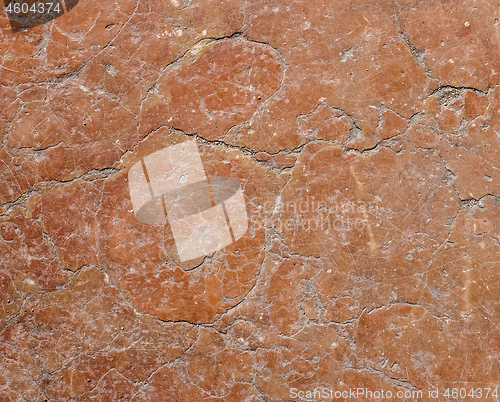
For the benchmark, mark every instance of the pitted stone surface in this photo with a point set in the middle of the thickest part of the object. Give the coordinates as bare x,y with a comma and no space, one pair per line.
365,136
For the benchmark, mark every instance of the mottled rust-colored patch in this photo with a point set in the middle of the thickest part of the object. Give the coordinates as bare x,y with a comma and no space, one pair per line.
366,139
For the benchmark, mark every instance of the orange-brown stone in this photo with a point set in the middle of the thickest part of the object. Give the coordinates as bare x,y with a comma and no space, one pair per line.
365,137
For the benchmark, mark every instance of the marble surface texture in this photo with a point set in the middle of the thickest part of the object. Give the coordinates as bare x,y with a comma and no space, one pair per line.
365,136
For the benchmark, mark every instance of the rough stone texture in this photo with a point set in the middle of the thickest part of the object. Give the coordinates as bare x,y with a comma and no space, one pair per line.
366,138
